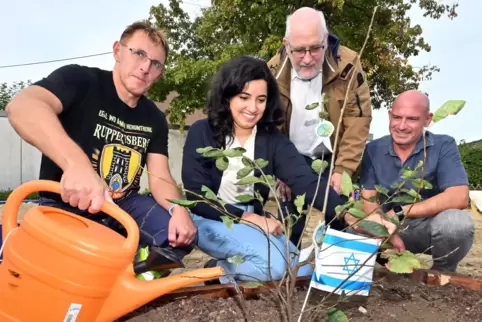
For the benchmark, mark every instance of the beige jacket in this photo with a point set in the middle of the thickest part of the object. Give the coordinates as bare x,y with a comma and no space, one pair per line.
355,124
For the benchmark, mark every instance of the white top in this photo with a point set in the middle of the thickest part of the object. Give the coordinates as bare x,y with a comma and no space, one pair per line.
303,122
228,190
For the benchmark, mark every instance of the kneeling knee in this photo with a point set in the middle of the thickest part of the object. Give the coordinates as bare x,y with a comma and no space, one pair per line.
278,267
455,223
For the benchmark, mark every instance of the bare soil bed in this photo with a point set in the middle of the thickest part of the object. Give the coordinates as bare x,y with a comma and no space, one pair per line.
393,298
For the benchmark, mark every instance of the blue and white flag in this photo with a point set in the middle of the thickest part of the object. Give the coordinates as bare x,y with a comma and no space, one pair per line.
340,255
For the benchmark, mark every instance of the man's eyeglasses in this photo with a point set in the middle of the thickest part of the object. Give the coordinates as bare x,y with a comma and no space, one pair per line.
141,56
314,51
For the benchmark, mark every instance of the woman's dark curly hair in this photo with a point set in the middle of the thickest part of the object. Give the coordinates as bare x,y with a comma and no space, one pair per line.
229,81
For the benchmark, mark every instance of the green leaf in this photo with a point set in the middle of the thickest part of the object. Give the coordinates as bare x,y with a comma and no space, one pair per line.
247,162
270,180
244,198
403,199
397,185
403,263
346,184
236,152
249,180
374,228
451,107
319,166
259,197
244,172
414,194
359,204
184,202
323,115
340,208
300,202
419,165
393,219
386,245
336,315
251,284
209,194
222,163
424,184
382,190
204,150
213,154
357,213
261,163
236,259
409,174
312,106
439,114
228,222
372,199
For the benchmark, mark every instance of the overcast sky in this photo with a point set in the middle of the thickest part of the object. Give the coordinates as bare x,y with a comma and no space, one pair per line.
55,29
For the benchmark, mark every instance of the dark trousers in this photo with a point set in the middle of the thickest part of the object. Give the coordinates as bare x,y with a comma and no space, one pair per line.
297,229
151,218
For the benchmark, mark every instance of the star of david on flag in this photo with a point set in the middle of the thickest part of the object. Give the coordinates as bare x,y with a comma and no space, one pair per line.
341,255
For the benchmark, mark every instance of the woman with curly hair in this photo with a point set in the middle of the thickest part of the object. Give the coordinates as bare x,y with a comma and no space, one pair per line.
244,110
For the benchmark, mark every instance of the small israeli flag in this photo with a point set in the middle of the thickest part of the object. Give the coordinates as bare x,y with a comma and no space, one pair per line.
342,254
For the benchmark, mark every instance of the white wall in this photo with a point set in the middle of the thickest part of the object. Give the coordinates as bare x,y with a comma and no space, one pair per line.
20,162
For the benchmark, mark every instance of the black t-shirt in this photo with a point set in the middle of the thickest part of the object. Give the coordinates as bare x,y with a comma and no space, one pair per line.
116,137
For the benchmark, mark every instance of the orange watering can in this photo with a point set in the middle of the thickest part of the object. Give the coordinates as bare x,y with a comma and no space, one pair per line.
58,266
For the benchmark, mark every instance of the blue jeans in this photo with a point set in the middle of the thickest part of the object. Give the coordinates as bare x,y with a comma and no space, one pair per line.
151,218
220,242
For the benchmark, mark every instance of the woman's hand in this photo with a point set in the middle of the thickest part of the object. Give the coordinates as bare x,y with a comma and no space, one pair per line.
269,225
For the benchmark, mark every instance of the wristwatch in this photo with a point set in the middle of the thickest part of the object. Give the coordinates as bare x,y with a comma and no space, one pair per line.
169,210
398,210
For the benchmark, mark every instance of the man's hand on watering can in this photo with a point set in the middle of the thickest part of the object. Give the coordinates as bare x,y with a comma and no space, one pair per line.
182,230
82,187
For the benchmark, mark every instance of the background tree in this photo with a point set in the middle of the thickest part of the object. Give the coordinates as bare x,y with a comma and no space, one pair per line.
471,156
7,92
234,27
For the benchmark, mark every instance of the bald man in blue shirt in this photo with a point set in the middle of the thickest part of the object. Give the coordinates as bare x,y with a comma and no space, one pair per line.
438,224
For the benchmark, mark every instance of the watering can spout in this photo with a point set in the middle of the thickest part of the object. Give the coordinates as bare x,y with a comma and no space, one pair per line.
130,293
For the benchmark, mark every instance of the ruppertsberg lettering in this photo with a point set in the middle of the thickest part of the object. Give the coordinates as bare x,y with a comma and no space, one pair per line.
113,135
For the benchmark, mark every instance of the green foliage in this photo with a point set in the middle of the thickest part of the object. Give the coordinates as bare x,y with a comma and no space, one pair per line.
7,92
336,315
183,202
252,284
208,193
471,156
312,106
449,108
403,263
346,184
319,166
374,228
6,193
300,202
236,260
357,213
228,222
235,27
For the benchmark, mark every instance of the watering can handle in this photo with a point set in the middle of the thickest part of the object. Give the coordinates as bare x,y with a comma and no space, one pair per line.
9,220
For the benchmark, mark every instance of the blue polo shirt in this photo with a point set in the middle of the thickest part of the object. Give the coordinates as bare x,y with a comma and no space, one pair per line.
443,168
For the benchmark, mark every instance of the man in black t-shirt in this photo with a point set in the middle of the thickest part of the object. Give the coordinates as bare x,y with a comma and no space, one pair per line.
97,131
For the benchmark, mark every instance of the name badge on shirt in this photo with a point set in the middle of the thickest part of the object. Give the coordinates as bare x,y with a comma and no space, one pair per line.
325,129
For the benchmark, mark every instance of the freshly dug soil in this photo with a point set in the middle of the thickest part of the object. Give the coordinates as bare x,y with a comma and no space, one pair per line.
393,298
